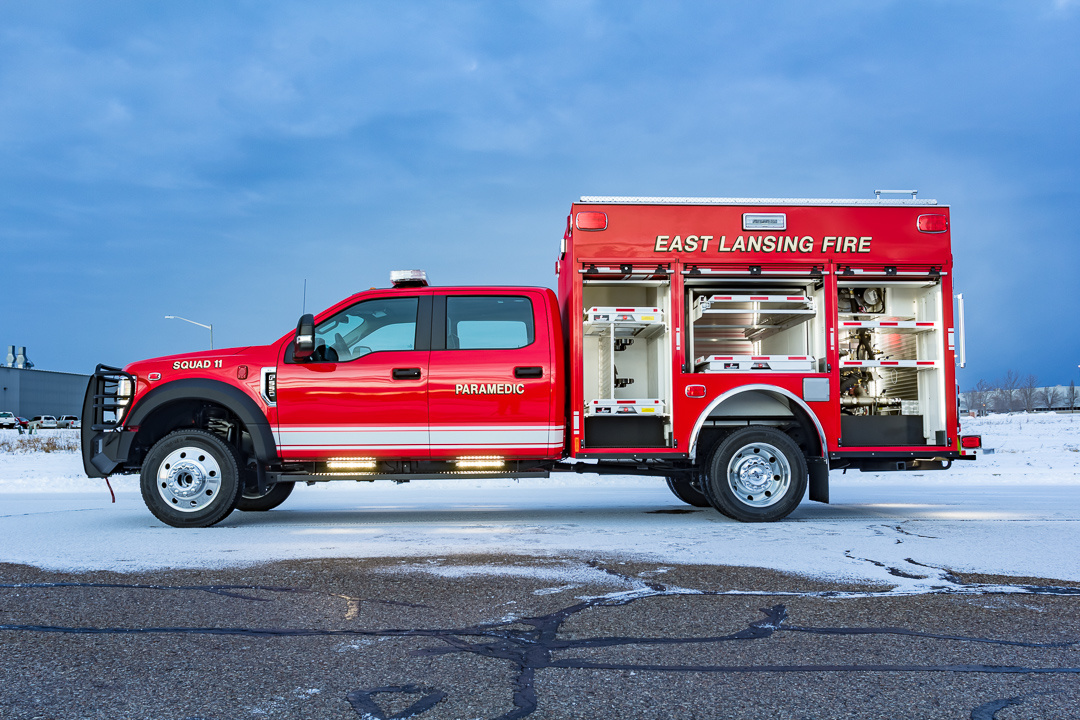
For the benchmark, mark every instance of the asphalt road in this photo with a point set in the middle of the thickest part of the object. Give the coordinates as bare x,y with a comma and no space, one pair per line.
511,637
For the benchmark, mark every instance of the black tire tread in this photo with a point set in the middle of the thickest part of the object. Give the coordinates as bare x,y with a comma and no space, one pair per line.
274,497
719,493
230,472
682,488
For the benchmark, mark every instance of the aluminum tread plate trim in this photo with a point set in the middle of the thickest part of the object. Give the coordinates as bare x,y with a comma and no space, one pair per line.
617,200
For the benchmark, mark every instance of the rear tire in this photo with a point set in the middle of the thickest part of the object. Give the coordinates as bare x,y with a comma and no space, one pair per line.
190,478
757,474
689,490
273,497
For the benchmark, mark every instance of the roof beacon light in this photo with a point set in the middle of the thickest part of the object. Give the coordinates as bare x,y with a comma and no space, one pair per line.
408,278
591,220
933,223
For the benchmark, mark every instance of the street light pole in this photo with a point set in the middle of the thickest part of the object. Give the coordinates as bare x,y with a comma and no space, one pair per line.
208,327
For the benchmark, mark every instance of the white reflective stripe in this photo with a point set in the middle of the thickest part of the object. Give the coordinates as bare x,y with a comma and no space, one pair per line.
456,446
463,436
352,436
511,446
486,436
378,428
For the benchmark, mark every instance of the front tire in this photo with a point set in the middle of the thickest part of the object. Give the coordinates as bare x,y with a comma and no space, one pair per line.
190,478
757,474
273,497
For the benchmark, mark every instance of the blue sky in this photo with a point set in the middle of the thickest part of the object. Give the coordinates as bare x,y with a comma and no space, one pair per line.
203,159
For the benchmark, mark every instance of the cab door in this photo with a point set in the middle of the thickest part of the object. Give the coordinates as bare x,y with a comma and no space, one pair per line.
364,392
491,375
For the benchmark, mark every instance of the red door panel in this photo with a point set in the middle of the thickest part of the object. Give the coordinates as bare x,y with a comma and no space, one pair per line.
492,401
364,394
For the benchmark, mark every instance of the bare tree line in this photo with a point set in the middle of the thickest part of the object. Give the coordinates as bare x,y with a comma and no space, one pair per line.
1014,393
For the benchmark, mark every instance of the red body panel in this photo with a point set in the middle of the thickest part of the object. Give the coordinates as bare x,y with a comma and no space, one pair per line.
872,240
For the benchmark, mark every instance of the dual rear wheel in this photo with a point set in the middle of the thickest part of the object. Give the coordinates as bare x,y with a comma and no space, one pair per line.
755,474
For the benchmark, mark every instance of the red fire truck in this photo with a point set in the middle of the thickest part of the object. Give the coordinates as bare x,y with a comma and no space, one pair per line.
738,348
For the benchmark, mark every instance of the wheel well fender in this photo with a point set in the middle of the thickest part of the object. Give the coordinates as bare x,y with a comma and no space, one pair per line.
762,394
179,394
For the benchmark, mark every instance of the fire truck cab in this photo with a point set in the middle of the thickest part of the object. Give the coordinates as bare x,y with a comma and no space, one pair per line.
737,348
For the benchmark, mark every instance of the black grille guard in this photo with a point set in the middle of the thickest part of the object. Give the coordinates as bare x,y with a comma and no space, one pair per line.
102,398
103,414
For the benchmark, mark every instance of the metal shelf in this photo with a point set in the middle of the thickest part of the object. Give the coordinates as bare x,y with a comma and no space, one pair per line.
623,407
623,322
922,364
758,316
901,327
755,363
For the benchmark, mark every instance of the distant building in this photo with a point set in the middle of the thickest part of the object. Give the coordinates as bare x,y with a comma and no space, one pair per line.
27,392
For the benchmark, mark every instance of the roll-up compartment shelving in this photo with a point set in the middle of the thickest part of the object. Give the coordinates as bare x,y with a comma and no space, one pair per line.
764,325
627,362
891,362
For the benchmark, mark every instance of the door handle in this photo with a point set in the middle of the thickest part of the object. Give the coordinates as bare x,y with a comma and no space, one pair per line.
529,372
406,373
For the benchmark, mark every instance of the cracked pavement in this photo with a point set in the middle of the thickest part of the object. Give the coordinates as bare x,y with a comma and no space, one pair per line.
512,637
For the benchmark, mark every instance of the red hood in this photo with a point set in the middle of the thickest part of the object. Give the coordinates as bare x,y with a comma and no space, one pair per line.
141,366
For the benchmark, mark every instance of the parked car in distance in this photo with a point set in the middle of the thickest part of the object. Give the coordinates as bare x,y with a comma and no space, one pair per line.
67,421
43,421
8,420
23,422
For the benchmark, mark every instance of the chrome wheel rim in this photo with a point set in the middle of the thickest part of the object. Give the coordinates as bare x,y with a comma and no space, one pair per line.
759,475
189,479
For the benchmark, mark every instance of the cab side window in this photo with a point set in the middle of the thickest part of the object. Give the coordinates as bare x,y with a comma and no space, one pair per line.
488,322
375,325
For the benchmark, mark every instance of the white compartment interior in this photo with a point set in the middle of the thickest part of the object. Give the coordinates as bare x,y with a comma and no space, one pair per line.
761,328
921,390
647,360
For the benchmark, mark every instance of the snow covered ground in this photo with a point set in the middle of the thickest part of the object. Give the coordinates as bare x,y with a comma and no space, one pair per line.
1015,512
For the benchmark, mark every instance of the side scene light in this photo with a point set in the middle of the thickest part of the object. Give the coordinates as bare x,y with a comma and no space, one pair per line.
477,462
351,464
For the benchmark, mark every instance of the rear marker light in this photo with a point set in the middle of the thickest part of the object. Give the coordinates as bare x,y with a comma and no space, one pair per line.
933,223
242,372
591,220
971,442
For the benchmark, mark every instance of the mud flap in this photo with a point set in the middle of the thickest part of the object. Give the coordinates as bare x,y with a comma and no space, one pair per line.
819,479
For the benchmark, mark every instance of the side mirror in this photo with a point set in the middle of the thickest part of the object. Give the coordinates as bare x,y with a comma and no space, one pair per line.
304,347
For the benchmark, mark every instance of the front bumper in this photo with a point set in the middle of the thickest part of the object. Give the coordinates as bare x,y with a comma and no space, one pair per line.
105,444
